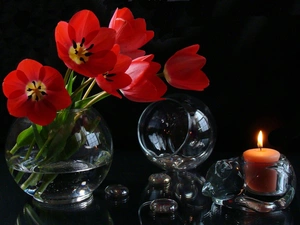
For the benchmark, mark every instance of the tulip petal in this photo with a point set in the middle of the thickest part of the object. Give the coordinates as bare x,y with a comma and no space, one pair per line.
116,78
131,33
197,82
42,113
84,22
84,46
62,37
17,105
114,83
183,69
145,85
11,84
31,68
148,91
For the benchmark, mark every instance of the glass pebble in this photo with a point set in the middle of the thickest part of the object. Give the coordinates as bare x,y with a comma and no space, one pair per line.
159,179
116,191
163,205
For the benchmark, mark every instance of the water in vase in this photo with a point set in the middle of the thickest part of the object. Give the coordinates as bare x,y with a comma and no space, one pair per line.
64,181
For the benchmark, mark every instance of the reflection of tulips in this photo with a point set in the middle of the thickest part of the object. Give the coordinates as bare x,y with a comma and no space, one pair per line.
183,69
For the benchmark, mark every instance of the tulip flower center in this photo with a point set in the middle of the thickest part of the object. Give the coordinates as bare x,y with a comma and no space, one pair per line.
36,90
79,53
107,76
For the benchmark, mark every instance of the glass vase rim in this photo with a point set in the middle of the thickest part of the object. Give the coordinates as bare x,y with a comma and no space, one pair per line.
59,111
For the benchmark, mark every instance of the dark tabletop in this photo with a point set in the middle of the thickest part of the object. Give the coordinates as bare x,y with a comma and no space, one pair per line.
132,170
253,54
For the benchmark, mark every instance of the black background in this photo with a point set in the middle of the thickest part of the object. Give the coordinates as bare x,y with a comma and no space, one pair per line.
252,50
252,53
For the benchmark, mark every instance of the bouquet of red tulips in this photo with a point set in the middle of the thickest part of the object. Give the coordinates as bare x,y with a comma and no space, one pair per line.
107,56
109,59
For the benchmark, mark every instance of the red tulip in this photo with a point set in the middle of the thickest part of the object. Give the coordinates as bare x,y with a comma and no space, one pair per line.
84,46
145,85
35,91
183,69
131,33
116,78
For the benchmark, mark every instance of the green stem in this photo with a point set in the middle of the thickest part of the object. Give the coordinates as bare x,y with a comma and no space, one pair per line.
20,174
33,215
31,180
37,136
14,149
18,222
89,89
67,75
47,179
42,150
81,87
29,149
99,97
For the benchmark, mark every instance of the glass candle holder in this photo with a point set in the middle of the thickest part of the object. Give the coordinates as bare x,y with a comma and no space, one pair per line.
266,179
260,187
177,133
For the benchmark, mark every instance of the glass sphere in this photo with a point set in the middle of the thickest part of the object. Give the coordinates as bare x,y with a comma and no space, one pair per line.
177,133
77,156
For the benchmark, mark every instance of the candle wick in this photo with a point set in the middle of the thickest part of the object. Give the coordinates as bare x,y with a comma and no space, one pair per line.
260,148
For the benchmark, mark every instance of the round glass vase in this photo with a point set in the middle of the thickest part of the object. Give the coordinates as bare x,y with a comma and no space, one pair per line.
177,133
63,162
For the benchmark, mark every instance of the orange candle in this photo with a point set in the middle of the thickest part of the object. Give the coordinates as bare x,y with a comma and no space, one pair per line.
259,176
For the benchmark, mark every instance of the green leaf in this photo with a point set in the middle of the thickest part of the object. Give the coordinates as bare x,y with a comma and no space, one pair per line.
82,103
77,96
89,101
69,85
24,138
72,147
36,131
61,130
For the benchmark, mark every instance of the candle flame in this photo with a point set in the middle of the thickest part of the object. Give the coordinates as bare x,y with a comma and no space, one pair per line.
260,139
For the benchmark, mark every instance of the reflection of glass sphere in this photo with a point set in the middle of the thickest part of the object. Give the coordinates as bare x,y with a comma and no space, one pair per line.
177,133
85,212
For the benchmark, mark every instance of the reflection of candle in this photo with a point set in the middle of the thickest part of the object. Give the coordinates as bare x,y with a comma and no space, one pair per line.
259,177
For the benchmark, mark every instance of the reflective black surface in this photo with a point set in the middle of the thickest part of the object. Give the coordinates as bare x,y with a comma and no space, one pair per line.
253,67
16,206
